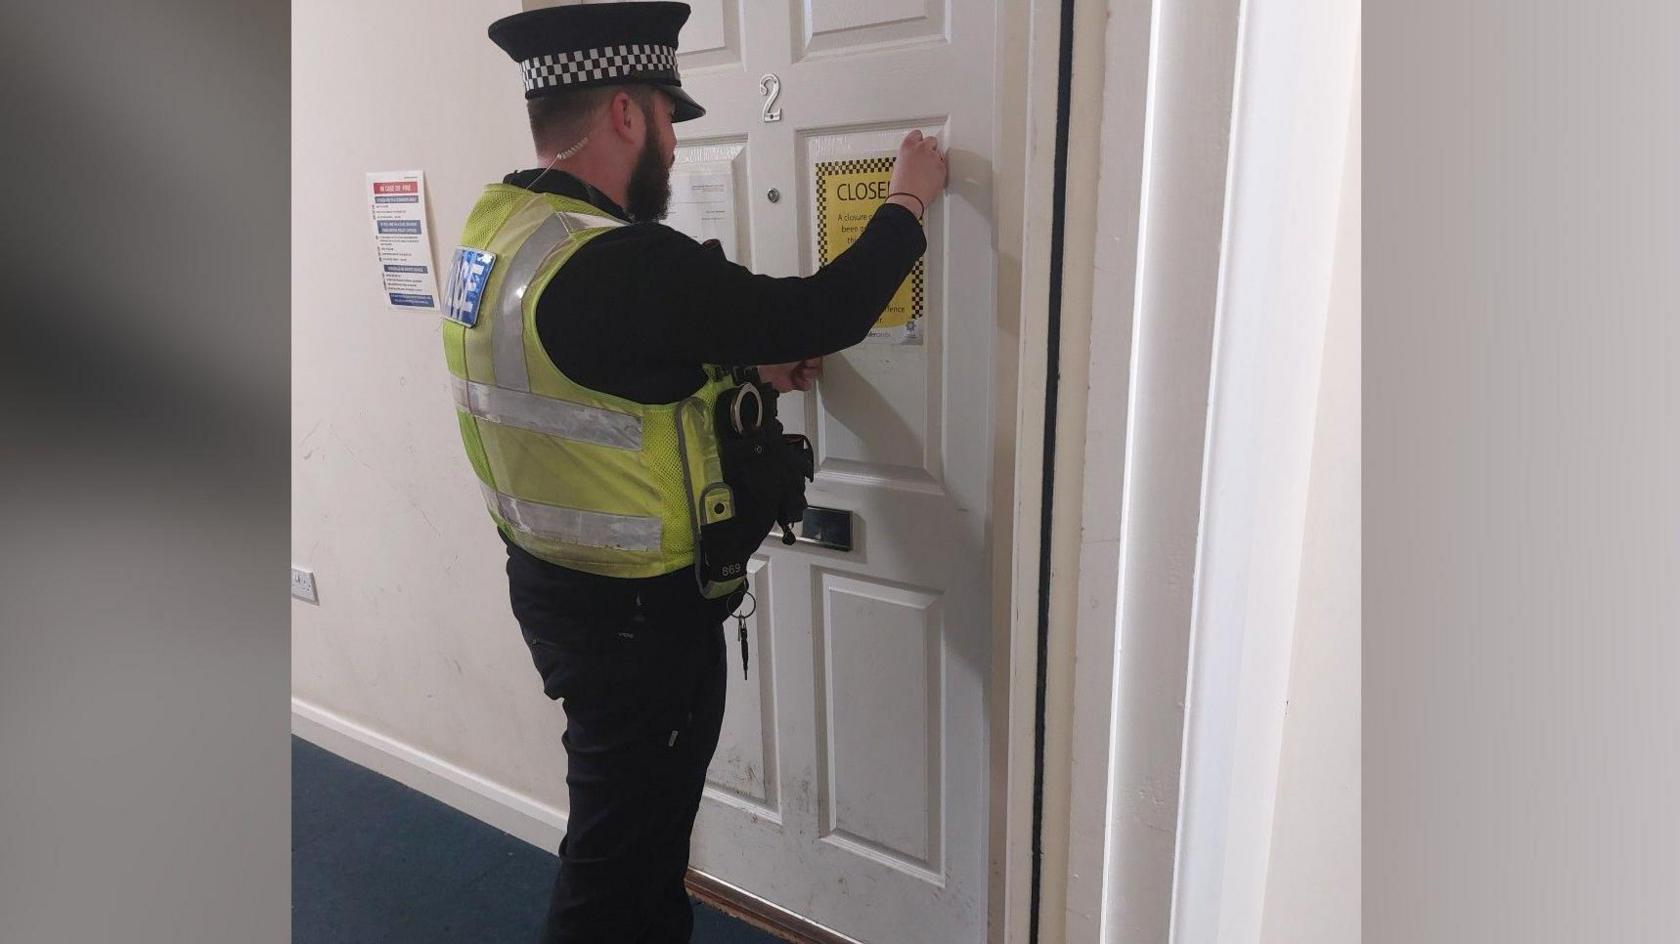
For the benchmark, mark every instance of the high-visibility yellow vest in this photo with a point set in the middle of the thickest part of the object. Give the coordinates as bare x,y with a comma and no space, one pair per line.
577,477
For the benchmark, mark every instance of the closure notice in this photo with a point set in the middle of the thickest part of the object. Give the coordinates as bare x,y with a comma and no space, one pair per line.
848,193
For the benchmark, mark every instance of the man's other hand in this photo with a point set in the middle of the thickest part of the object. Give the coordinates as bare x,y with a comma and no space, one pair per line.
786,378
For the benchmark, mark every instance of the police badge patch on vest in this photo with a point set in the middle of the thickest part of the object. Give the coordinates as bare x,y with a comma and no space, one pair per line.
469,272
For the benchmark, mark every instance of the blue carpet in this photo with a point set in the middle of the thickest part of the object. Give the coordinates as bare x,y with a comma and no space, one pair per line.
374,861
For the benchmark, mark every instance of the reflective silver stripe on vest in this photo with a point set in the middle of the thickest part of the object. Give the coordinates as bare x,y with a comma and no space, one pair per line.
573,526
507,341
582,221
541,414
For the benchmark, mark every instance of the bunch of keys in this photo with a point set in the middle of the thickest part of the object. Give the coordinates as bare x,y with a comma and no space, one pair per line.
741,629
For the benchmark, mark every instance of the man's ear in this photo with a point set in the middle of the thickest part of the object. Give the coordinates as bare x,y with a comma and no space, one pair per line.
624,115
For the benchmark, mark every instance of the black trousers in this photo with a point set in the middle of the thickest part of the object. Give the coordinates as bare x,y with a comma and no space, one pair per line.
642,684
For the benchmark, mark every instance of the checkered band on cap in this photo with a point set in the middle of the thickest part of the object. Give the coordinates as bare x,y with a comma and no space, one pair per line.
638,60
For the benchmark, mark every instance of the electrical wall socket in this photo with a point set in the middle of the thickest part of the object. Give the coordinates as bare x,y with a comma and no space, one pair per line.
303,585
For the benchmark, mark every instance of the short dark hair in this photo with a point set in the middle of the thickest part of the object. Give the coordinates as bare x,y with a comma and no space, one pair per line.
560,119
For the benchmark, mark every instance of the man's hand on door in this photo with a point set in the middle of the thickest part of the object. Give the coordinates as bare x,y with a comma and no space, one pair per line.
786,378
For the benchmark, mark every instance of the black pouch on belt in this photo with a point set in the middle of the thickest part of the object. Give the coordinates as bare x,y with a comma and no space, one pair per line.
765,470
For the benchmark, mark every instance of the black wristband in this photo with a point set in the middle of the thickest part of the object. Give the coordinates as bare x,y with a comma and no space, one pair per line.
919,201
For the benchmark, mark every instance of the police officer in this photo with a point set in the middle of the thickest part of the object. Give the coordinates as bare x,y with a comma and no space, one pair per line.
628,455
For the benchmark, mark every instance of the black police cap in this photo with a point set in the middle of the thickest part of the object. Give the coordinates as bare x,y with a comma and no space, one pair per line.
589,45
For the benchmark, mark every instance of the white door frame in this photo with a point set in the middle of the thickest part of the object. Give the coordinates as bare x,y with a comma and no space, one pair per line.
1175,327
1105,132
1025,188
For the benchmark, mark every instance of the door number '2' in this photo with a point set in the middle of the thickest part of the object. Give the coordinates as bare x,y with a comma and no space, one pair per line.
771,86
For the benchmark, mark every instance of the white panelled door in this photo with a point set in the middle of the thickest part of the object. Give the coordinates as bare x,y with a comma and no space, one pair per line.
850,783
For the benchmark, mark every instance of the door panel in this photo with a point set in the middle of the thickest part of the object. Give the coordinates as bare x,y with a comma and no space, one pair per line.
723,154
880,657
827,27
874,418
712,36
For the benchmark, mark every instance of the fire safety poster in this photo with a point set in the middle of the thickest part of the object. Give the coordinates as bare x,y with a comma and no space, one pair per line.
397,201
848,193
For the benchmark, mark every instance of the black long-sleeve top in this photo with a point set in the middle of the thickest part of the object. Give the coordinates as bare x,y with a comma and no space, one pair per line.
637,312
639,309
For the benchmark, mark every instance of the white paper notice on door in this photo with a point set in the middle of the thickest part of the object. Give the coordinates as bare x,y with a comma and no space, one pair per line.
703,203
397,204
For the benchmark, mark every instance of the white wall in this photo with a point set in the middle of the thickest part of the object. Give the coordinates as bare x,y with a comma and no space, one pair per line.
1296,81
413,638
1313,880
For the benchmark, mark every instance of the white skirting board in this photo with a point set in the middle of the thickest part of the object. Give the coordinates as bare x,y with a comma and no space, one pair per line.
511,812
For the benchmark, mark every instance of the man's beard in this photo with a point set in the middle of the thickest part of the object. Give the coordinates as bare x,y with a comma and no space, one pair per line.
649,195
